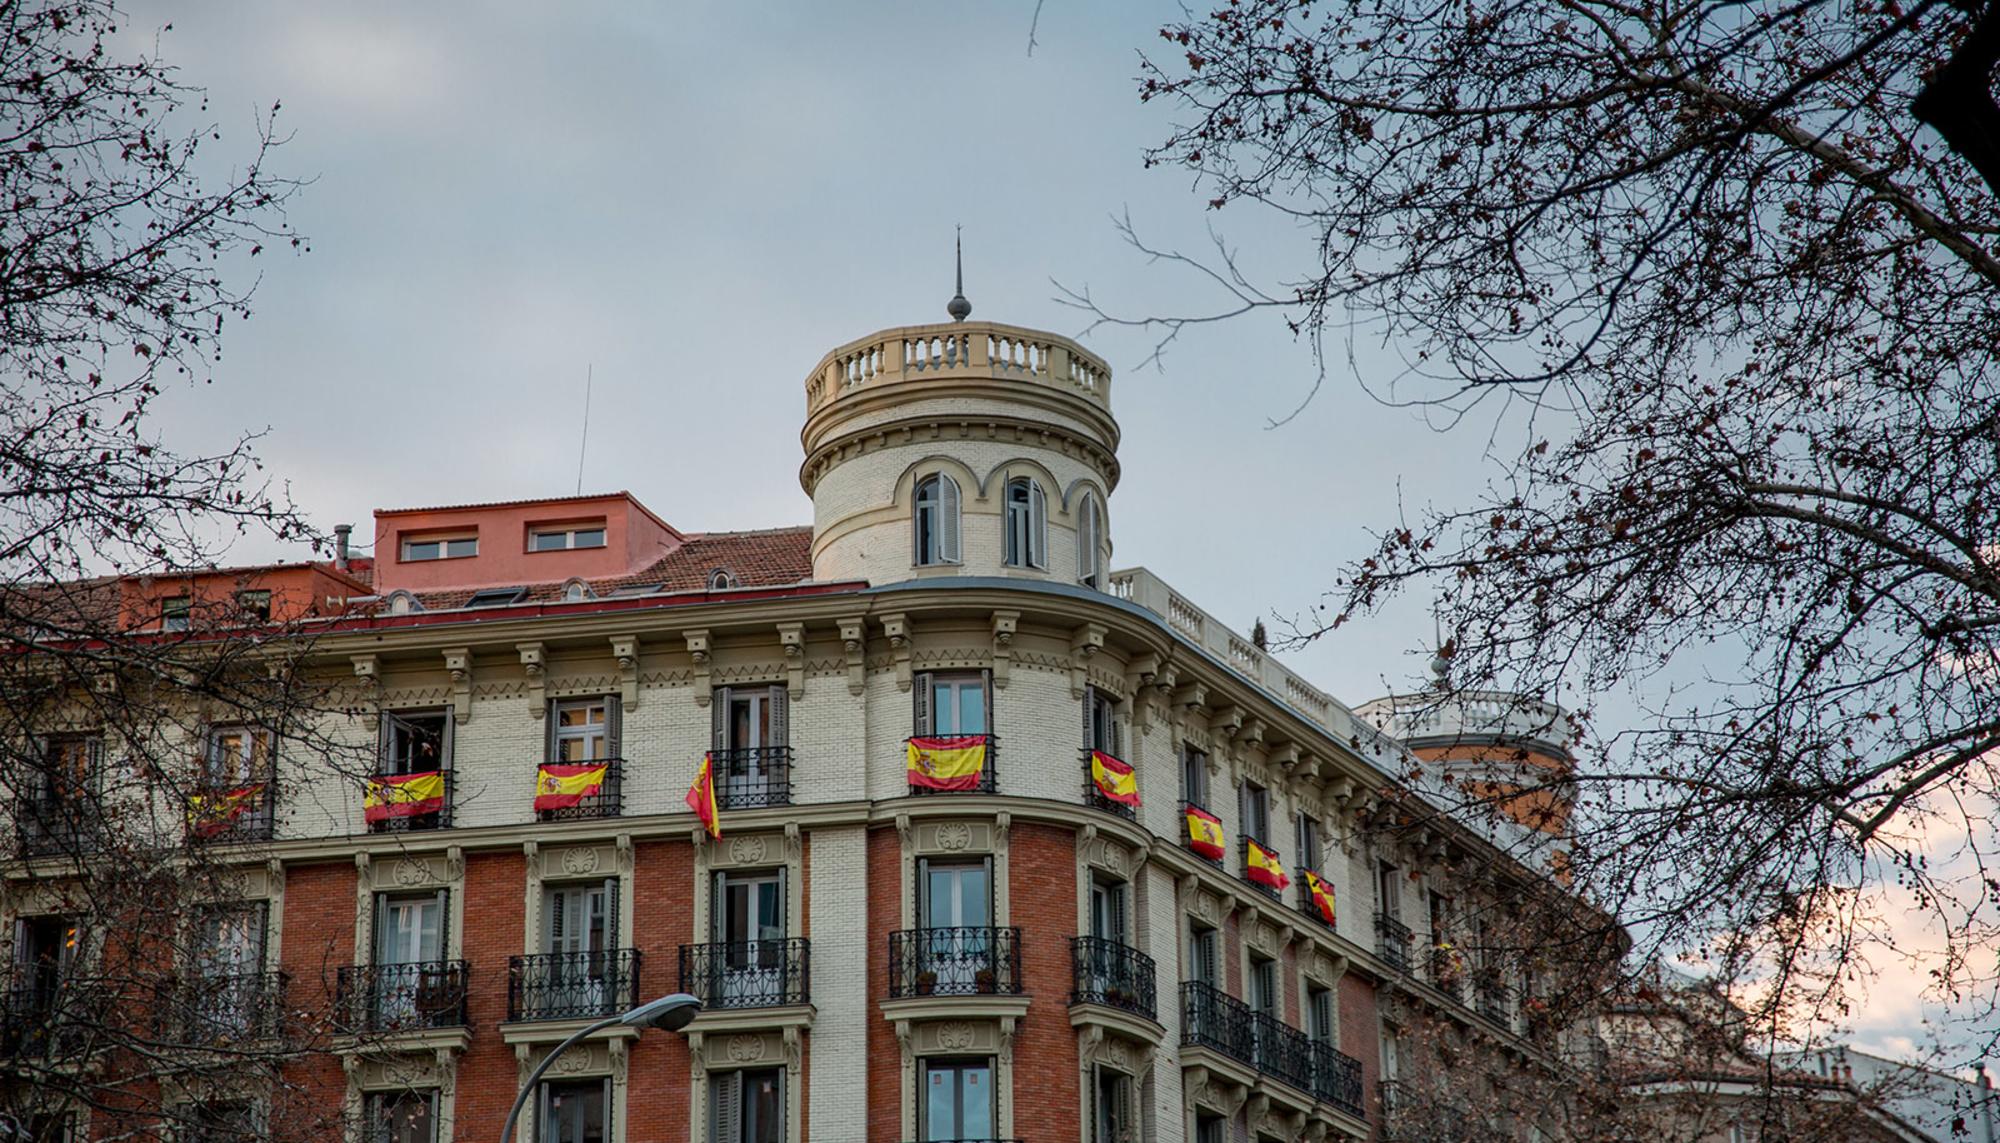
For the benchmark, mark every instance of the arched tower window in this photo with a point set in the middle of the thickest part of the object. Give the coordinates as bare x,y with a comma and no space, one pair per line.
936,523
1027,517
1089,542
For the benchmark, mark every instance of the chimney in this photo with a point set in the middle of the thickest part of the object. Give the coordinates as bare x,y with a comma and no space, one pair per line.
340,534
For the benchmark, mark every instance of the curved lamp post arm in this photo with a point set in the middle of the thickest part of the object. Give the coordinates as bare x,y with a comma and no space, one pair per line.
535,1077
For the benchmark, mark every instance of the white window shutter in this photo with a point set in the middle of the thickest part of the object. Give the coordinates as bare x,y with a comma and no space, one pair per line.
728,1126
922,698
947,519
1038,526
1086,540
781,731
718,711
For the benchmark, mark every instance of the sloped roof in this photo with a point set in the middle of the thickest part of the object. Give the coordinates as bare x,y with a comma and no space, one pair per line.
773,557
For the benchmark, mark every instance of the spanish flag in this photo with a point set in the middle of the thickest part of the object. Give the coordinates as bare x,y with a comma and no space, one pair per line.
403,795
1205,835
1322,895
211,814
560,786
1262,867
947,763
1115,779
701,797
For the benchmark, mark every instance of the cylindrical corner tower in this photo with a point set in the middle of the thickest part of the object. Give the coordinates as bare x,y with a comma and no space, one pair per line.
1511,749
965,448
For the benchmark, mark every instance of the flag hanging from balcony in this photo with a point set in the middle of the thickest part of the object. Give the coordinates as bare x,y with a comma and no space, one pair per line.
561,786
403,796
1115,780
947,763
1262,867
213,813
701,797
1205,835
1322,895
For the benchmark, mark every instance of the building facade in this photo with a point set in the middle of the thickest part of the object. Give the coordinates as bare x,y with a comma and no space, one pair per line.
1013,845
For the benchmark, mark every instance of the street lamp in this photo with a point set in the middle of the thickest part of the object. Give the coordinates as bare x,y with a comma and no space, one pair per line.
670,1012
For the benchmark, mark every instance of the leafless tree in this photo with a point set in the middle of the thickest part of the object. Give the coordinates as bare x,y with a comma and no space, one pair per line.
1720,278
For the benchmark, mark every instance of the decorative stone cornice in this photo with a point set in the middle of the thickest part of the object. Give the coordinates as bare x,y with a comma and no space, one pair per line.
792,636
1004,626
1084,644
897,628
532,665
697,647
625,649
458,664
854,645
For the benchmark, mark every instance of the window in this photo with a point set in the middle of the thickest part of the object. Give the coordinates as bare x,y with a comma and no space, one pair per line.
223,1121
958,1100
1112,1107
1309,843
1389,889
46,952
721,580
440,548
576,591
228,996
936,523
237,756
583,730
636,589
1100,722
411,985
1210,1129
403,603
409,929
562,539
69,766
416,741
1027,523
1440,908
749,918
1319,1013
1089,542
580,975
41,1129
174,613
1201,955
750,738
1107,908
401,1117
1194,776
953,704
254,606
747,1106
1256,810
1264,985
575,1112
497,596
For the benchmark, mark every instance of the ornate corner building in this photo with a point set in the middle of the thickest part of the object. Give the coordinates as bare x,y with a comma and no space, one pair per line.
1013,845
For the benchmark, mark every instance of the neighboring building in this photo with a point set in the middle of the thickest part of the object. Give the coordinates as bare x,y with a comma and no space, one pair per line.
991,944
1943,1107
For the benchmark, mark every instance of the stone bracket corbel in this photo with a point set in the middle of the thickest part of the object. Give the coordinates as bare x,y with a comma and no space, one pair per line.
368,669
1084,644
1228,722
534,664
792,636
897,628
625,649
1252,732
696,1055
1004,625
854,644
697,645
458,664
1139,676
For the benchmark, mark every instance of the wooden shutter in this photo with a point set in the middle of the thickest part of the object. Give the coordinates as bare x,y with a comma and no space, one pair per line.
727,1123
986,698
718,723
1089,717
947,519
611,936
922,699
558,919
444,924
1086,540
1117,740
1038,526
614,726
550,720
781,730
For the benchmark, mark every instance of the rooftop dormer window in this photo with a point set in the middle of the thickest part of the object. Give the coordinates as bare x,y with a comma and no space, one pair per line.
561,538
175,612
440,548
721,580
936,520
576,591
497,597
403,603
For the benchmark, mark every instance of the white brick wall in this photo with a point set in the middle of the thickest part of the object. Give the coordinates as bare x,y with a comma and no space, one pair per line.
839,912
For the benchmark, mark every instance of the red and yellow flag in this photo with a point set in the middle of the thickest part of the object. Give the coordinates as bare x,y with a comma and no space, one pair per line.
561,785
947,763
403,795
1115,780
211,814
1322,895
1205,835
1262,867
701,797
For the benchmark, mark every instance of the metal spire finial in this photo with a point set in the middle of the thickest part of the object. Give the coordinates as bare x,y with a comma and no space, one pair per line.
959,308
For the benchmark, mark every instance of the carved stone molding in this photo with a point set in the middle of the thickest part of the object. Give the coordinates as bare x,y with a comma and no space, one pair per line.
697,645
534,665
854,645
368,669
897,628
1004,625
792,636
625,650
458,664
1084,644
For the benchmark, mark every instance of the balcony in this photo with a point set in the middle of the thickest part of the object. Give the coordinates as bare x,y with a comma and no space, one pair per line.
1447,970
44,1012
1115,975
748,974
607,801
1210,1018
751,776
1219,1022
1189,810
981,783
402,997
49,825
219,1009
572,985
1494,1000
1392,941
232,814
1096,798
1336,1079
982,961
439,818
1267,890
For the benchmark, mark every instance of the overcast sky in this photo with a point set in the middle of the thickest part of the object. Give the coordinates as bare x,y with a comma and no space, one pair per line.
694,204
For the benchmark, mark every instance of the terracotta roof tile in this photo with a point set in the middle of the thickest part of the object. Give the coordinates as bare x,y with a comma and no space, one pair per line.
774,557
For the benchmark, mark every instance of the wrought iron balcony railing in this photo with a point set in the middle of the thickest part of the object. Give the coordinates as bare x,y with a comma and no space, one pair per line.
747,777
48,825
1282,1051
222,814
1494,1000
214,1009
402,997
607,802
1095,797
1392,941
986,782
1447,970
954,962
45,1011
1211,1018
1114,974
748,974
439,818
1336,1079
572,985
1244,845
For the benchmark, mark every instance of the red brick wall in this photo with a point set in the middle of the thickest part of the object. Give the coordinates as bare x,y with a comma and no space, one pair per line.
318,938
885,914
662,921
1360,1037
495,889
1042,887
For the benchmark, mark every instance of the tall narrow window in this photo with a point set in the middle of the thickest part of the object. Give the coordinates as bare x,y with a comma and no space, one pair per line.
1027,520
953,704
1256,810
236,756
958,1100
1089,542
575,1112
747,1106
1100,722
936,523
1201,955
1112,1105
1264,985
1194,776
750,742
584,730
401,1117
174,613
416,741
1309,843
581,973
1389,890
749,919
1319,1013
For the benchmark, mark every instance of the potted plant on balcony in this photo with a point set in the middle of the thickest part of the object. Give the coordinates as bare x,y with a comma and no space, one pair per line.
926,982
984,981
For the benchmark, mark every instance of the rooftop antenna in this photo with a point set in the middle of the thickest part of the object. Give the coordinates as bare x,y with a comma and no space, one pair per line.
959,308
584,444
